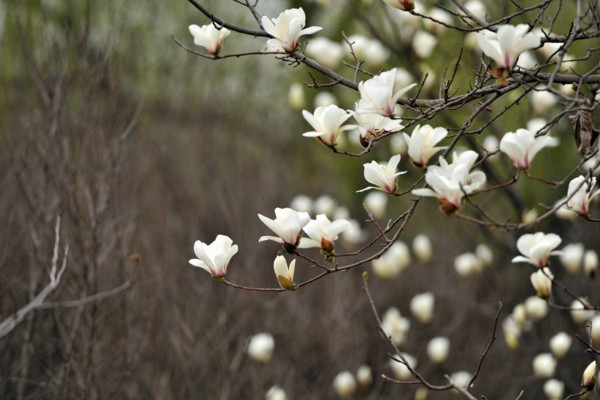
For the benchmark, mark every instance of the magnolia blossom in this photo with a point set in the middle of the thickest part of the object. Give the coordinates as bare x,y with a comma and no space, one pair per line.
510,41
422,305
544,365
580,194
438,349
364,377
261,347
422,248
421,144
400,369
554,389
284,274
580,313
467,264
326,52
376,203
371,51
423,44
276,393
395,326
287,225
209,36
404,5
523,145
461,378
377,94
535,308
327,123
588,380
323,232
560,344
450,182
542,282
286,29
392,262
214,257
344,384
590,263
372,125
325,204
571,257
536,248
381,175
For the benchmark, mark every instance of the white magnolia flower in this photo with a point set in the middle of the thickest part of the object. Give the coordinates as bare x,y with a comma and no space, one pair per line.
422,248
392,262
296,96
261,347
422,305
476,8
327,123
404,5
344,384
326,52
302,203
542,282
542,100
325,204
364,377
522,146
370,51
536,124
376,203
214,257
554,389
382,176
323,233
484,254
324,99
450,182
423,44
286,29
440,15
467,264
422,142
490,143
377,94
571,257
512,331
373,125
588,380
536,248
276,393
395,326
590,263
560,344
461,378
535,308
284,274
579,314
595,330
287,225
354,234
544,365
401,370
509,43
438,349
580,194
209,37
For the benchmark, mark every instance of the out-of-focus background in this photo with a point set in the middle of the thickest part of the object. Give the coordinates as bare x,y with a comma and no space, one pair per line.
141,148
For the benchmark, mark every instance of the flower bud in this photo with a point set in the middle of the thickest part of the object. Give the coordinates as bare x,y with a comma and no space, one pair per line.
578,312
364,377
404,5
261,347
421,394
595,331
571,257
467,264
542,101
438,349
512,332
395,326
476,8
400,370
544,365
421,307
542,283
490,143
285,274
344,384
520,314
529,215
376,202
484,254
296,96
423,44
554,389
276,393
302,203
422,248
590,263
588,380
461,378
536,308
560,344
324,99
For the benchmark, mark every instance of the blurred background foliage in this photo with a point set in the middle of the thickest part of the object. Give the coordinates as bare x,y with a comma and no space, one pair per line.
143,148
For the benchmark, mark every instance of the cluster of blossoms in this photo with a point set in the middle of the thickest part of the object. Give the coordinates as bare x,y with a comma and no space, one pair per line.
376,114
451,182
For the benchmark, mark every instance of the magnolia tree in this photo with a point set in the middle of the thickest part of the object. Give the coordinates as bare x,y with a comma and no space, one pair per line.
446,129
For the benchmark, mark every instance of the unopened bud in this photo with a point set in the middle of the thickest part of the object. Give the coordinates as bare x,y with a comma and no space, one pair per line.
588,381
542,283
590,263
